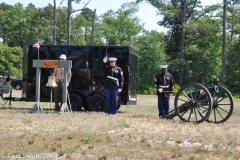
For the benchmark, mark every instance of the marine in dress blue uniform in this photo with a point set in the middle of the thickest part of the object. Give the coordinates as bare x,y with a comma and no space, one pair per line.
164,84
112,87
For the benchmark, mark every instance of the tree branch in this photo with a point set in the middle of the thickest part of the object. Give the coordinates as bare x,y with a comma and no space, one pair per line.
82,8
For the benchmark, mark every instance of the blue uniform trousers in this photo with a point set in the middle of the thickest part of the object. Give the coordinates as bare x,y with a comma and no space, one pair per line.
112,100
163,105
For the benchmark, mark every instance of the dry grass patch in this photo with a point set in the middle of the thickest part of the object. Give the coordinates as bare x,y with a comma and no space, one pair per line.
135,132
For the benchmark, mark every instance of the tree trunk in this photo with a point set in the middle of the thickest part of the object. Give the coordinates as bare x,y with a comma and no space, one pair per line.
223,43
182,41
55,23
93,22
69,21
85,36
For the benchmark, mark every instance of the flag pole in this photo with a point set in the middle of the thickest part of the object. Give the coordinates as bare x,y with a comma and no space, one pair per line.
38,47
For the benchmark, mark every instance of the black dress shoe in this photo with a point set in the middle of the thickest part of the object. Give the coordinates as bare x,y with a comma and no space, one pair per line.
57,109
162,116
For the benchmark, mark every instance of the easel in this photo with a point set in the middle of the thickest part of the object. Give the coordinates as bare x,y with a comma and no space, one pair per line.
38,64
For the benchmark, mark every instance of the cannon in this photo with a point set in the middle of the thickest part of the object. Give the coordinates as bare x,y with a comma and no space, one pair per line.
5,90
196,103
3,86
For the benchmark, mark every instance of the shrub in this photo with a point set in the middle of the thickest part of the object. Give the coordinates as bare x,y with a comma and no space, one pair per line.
176,88
146,89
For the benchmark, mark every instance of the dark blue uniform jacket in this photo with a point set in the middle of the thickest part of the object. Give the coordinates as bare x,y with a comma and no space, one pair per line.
164,80
115,72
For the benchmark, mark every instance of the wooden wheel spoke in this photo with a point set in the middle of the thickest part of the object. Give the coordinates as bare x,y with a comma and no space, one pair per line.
219,108
220,113
190,115
187,96
221,99
200,111
183,113
206,109
182,100
195,114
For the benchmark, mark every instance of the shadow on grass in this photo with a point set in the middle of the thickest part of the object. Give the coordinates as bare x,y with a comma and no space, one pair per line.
48,110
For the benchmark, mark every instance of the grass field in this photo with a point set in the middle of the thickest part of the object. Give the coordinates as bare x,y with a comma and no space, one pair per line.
134,133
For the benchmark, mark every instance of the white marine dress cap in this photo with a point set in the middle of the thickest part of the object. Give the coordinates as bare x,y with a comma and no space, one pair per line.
63,56
112,59
164,66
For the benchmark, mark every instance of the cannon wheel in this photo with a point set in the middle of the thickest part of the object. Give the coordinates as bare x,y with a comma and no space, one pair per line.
2,100
222,106
192,107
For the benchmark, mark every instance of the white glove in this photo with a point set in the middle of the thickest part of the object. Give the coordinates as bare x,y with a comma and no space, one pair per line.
160,90
63,83
119,90
105,59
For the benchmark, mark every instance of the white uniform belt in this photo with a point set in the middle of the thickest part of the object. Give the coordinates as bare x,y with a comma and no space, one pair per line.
163,86
57,80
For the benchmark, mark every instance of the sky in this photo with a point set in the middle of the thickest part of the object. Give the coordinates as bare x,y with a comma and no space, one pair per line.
146,13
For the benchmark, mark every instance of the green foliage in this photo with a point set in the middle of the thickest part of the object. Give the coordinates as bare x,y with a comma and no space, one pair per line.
121,27
236,95
232,79
151,56
146,89
201,63
203,53
175,68
176,88
11,60
11,22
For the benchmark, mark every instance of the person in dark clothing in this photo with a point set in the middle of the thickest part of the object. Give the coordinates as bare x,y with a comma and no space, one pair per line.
164,84
113,83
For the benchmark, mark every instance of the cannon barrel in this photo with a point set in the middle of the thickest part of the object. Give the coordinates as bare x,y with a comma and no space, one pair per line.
211,89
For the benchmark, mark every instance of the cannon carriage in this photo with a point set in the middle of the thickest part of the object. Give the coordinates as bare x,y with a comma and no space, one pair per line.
196,103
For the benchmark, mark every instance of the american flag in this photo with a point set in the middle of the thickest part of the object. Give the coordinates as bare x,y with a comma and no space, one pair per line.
36,45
